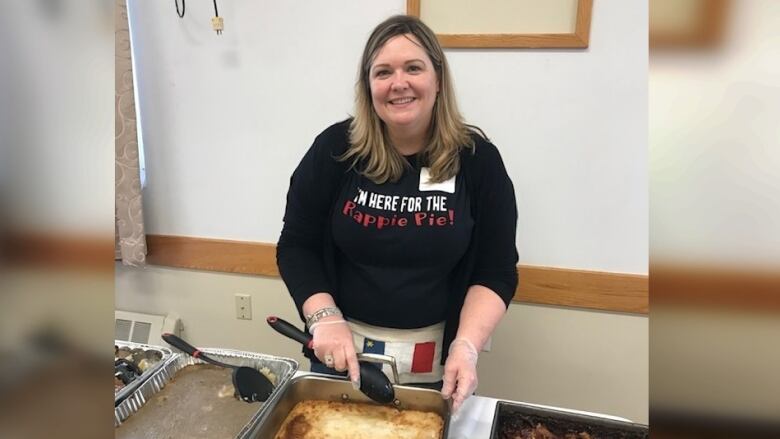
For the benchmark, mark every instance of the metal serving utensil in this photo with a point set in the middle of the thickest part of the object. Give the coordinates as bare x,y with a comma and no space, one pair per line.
250,384
373,382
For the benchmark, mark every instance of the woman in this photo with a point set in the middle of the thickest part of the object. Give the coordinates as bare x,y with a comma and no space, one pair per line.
399,231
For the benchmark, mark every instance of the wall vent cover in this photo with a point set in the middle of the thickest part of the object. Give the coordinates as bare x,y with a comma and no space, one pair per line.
145,328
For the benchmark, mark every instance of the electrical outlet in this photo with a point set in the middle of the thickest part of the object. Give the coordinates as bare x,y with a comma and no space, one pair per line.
243,307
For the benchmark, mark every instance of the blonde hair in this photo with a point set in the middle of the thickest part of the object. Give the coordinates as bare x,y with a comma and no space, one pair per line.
369,141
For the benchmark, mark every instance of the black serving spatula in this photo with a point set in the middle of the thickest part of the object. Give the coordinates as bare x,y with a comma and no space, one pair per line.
250,384
373,382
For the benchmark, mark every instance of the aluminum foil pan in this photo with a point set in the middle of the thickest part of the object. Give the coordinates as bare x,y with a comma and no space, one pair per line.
517,414
282,368
160,355
314,386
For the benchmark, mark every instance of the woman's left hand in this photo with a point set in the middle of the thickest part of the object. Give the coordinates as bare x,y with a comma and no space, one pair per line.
460,372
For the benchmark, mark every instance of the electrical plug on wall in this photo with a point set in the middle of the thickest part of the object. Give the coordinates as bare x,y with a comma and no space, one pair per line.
217,24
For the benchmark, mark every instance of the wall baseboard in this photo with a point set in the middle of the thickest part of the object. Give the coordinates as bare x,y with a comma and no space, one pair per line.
600,290
212,254
605,291
57,250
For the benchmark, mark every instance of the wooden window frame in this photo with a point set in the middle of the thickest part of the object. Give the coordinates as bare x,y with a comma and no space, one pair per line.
579,39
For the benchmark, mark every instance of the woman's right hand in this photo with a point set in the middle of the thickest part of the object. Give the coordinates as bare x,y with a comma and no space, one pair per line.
333,345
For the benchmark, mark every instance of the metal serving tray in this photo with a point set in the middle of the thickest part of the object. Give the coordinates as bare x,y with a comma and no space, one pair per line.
597,427
327,388
283,368
165,356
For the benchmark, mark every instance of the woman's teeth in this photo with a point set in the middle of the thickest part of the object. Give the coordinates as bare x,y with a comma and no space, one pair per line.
401,101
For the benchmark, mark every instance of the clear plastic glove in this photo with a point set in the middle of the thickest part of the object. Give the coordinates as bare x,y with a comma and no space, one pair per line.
460,372
333,345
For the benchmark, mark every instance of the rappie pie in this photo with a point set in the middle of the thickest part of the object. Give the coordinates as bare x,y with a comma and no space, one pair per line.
418,219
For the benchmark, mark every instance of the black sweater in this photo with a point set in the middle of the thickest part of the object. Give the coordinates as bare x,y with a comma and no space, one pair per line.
321,203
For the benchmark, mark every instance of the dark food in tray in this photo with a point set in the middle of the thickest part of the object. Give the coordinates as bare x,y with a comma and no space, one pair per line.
125,372
540,431
199,402
525,422
129,364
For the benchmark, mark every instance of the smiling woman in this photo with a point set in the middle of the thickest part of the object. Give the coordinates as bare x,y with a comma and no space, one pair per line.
403,90
404,218
401,60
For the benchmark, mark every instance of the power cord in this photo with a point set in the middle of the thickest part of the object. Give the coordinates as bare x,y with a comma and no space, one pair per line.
216,21
183,6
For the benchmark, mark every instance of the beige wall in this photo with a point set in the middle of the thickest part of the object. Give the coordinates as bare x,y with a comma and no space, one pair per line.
570,358
573,358
205,302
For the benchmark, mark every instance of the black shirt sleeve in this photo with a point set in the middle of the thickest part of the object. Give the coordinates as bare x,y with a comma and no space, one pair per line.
313,186
496,223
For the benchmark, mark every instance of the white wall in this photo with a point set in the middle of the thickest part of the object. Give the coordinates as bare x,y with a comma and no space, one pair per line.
56,118
715,166
572,128
226,119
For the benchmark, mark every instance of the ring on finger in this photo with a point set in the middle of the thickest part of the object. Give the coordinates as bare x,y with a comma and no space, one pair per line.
328,360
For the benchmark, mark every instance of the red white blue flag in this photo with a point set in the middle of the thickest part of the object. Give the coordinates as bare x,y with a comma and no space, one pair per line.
409,357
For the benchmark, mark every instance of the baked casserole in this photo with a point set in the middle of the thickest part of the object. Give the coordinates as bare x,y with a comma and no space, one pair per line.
312,419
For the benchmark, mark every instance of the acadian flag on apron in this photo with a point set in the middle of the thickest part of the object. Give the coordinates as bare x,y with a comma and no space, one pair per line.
421,353
417,352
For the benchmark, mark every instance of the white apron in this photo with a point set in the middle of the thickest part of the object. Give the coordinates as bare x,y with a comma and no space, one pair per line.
417,352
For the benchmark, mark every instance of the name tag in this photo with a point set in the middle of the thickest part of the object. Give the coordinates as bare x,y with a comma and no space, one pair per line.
444,186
